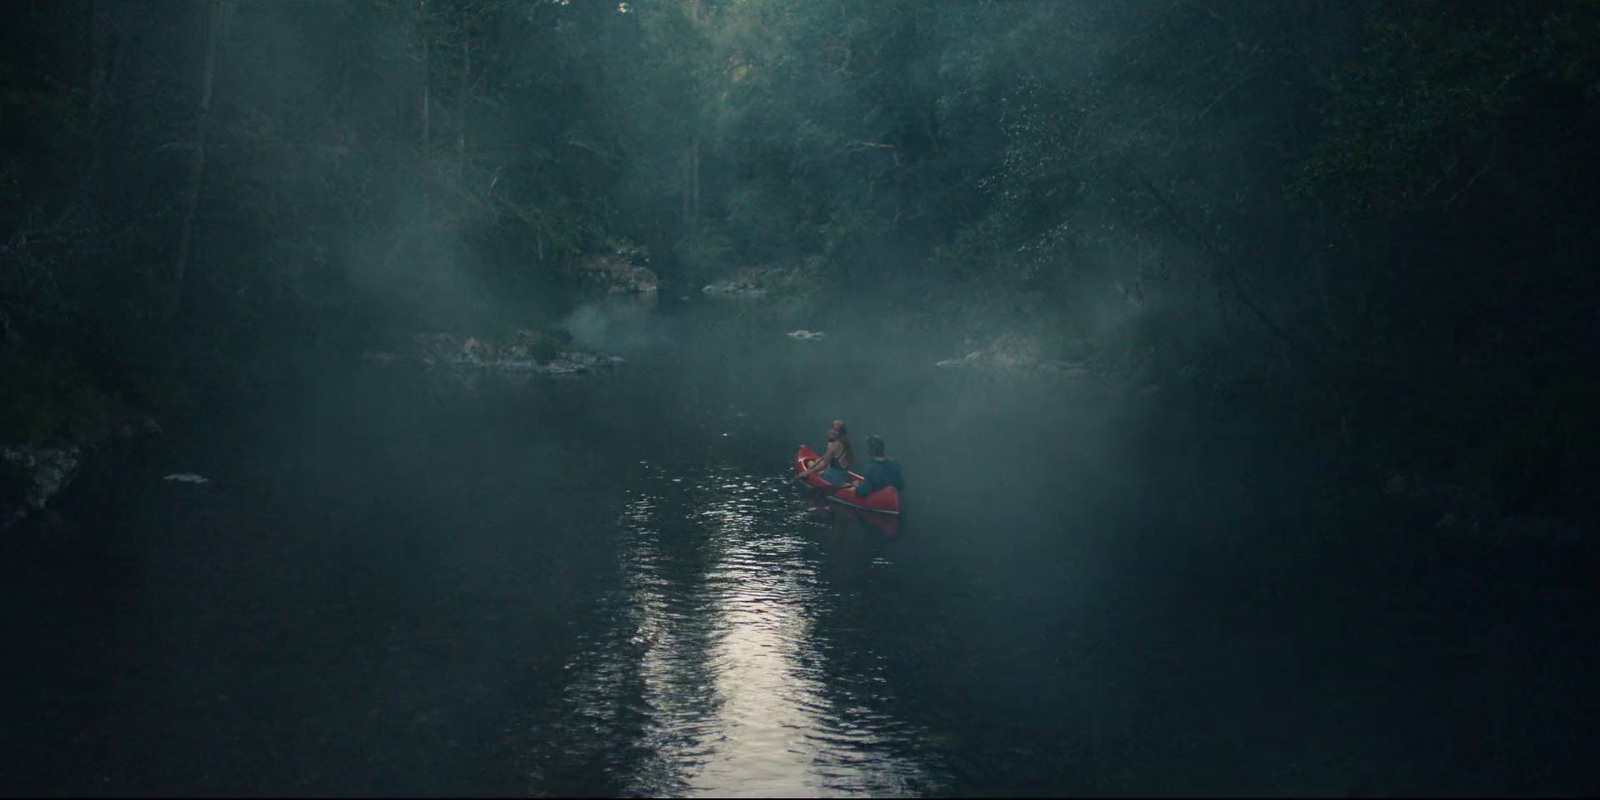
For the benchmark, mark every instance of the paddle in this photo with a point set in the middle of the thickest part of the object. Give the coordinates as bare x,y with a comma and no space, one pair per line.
812,476
832,487
829,487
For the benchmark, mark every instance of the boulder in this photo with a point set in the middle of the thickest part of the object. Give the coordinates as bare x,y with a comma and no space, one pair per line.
33,476
972,359
1015,354
618,272
742,287
794,280
524,352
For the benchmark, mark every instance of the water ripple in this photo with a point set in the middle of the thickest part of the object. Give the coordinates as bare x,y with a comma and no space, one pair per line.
713,675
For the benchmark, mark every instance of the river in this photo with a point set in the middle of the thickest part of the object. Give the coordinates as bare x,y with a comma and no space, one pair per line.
609,585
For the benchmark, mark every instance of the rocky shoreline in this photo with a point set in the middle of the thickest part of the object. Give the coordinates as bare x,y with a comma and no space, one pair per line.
31,477
34,476
1457,510
524,353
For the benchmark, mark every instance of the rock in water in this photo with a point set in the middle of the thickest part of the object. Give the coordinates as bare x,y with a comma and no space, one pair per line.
615,272
43,473
968,360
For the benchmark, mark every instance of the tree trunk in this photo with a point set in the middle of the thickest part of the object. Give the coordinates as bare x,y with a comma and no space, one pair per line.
105,58
1329,318
691,165
684,190
427,116
99,54
466,96
694,188
1225,276
197,160
427,75
691,189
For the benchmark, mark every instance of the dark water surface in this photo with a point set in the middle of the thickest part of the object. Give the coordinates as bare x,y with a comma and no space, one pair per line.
608,585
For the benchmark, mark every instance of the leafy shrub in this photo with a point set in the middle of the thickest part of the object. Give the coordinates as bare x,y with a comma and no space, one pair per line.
48,399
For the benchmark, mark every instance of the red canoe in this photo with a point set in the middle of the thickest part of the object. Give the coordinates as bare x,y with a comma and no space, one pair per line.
883,501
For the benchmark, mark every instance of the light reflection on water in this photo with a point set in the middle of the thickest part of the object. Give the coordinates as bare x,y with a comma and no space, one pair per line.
712,677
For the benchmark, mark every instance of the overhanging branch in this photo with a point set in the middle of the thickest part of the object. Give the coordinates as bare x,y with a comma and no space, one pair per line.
1222,270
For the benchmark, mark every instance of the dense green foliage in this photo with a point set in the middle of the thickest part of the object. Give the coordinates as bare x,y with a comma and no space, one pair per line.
1372,217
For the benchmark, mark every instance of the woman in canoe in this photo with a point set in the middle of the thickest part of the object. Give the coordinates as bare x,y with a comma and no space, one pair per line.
837,459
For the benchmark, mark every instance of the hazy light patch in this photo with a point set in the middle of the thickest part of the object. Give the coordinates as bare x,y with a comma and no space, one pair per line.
778,733
762,748
710,680
616,324
673,697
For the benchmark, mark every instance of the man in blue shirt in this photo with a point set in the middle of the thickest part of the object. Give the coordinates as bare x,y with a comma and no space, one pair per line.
881,470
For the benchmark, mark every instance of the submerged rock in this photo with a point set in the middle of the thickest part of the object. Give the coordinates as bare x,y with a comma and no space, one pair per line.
1001,359
738,288
972,359
794,280
522,355
568,363
1461,511
140,425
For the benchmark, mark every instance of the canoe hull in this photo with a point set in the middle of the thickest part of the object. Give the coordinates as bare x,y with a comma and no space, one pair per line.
884,501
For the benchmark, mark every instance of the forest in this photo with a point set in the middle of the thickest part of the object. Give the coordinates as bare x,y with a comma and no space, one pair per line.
395,395
1373,218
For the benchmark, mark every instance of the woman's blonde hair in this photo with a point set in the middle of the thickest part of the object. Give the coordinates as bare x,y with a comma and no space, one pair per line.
849,453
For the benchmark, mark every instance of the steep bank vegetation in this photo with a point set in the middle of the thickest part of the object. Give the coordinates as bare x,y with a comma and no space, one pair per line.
1373,219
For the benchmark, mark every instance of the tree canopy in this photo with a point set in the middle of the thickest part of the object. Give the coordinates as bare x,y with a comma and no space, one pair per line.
1373,216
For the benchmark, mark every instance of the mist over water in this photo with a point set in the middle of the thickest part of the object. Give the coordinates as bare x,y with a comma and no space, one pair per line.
610,584
1237,357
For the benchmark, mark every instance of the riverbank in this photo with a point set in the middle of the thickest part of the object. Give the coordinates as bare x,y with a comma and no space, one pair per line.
1409,452
578,586
986,338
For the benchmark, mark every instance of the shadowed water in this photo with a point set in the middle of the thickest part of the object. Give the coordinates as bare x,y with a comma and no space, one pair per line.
611,586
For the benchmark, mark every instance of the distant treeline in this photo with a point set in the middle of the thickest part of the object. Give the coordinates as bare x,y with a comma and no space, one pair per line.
1377,217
